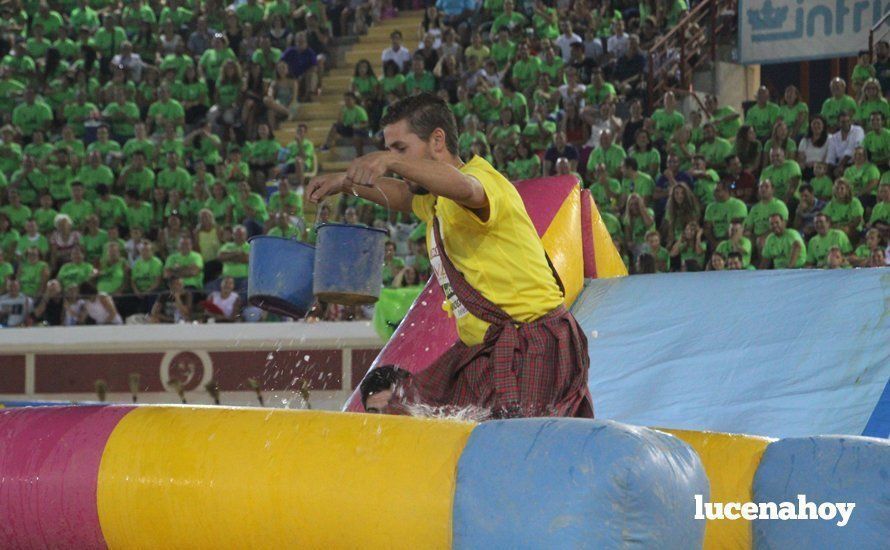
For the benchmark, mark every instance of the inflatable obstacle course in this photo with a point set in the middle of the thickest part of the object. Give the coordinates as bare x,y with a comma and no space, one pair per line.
212,477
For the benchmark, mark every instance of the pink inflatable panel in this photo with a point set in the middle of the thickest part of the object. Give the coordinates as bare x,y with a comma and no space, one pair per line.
50,462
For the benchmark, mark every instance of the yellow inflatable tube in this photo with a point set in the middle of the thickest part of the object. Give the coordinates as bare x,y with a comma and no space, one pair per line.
187,477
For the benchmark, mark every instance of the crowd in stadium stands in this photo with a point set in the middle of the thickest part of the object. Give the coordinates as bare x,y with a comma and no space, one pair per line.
137,145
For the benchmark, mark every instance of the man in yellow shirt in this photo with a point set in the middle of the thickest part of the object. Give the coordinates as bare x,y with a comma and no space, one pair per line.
520,352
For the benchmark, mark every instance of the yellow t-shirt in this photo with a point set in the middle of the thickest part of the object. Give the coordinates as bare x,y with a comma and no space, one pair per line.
503,257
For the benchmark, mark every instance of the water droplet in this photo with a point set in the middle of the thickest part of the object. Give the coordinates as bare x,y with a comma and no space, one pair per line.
305,357
423,303
594,333
270,357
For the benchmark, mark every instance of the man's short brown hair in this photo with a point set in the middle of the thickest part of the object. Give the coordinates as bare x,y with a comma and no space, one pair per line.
425,112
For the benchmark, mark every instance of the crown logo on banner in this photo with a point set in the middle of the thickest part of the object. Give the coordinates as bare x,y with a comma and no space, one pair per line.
768,18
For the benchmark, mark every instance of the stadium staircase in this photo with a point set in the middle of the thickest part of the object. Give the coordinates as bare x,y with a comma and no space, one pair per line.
323,112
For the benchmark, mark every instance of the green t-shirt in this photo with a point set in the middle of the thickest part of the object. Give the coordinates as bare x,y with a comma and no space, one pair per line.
781,176
715,153
178,178
638,228
30,276
143,181
25,242
642,184
511,21
600,192
667,123
77,211
17,215
110,210
9,240
170,111
880,213
212,60
308,150
613,225
139,215
866,108
292,202
354,116
778,249
878,146
250,14
524,169
177,260
721,215
844,214
818,247
832,107
728,129
860,176
219,207
648,161
762,119
237,270
256,203
45,218
93,244
822,187
790,114
121,127
111,277
291,232
30,118
263,151
743,248
613,158
425,82
526,72
503,53
365,85
758,217
6,271
391,83
488,105
74,273
144,273
91,177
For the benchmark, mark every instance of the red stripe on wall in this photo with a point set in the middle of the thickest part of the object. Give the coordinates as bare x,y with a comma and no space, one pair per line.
279,370
78,372
361,362
12,374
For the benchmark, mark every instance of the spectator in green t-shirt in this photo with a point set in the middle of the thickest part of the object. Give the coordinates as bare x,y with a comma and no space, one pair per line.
784,248
352,123
186,264
77,271
824,240
234,256
762,115
724,211
146,275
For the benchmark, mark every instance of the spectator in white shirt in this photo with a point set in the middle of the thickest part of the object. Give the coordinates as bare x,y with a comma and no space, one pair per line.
132,62
842,143
397,53
619,41
566,39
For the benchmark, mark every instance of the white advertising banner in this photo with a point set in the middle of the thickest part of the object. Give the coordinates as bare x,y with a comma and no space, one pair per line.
778,31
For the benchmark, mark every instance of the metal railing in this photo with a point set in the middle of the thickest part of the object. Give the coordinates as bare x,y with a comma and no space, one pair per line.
680,54
874,30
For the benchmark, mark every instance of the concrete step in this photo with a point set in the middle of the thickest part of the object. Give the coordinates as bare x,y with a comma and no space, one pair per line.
319,111
334,166
337,154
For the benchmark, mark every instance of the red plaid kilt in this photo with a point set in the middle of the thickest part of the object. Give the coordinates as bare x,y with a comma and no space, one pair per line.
520,369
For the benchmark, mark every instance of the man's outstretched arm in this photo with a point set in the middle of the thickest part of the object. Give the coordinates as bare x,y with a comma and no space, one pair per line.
387,192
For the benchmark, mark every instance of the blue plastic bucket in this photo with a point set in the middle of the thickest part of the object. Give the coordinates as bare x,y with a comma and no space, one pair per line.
280,277
349,263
